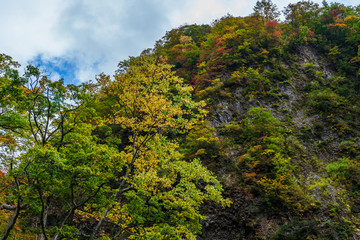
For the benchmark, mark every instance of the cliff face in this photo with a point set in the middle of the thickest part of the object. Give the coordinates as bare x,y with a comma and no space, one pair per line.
283,114
287,99
315,137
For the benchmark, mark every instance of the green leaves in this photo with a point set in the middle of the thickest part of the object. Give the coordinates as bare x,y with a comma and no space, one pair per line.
168,192
56,167
111,145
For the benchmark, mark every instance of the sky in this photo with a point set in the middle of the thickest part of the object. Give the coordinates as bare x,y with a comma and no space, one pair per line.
78,39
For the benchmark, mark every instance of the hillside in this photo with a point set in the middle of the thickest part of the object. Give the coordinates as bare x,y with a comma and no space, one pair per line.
246,128
283,102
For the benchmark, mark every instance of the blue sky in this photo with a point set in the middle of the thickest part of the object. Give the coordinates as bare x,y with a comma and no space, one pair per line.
77,39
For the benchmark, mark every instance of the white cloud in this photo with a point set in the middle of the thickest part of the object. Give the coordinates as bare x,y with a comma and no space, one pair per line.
103,33
27,28
205,11
95,35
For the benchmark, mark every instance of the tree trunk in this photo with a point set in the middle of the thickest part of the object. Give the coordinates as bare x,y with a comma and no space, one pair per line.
11,223
103,216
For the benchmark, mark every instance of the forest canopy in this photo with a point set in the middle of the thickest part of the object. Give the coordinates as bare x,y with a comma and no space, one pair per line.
76,155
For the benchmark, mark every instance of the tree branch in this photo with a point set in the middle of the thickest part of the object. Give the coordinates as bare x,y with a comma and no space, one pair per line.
7,207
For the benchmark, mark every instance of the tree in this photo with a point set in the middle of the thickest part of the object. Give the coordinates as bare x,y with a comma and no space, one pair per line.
10,90
158,194
54,165
74,152
267,10
303,13
11,125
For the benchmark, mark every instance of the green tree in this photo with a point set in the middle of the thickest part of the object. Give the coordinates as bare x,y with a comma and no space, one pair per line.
302,13
12,124
267,10
54,166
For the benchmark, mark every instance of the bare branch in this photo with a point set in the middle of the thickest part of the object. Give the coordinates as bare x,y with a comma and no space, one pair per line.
7,207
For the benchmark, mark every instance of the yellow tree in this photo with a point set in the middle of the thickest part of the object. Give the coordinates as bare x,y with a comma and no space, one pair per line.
158,194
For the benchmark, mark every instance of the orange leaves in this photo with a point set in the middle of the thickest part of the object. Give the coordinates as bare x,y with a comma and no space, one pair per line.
250,177
259,140
6,140
17,228
355,59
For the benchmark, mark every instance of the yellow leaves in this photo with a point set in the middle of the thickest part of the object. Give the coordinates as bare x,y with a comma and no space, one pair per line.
355,59
120,215
243,158
146,100
185,39
164,231
339,25
339,22
5,140
265,52
285,189
350,18
273,186
231,33
200,152
202,64
334,51
153,163
255,148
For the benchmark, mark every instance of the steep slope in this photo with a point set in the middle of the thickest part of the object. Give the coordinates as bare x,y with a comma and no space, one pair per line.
312,140
283,109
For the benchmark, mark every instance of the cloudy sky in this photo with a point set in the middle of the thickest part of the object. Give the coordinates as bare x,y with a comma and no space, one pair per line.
77,39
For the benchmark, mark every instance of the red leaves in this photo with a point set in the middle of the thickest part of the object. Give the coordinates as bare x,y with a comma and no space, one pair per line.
335,12
218,43
310,33
222,50
271,25
273,30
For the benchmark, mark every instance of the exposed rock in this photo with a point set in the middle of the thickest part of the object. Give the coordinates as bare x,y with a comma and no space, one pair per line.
245,218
